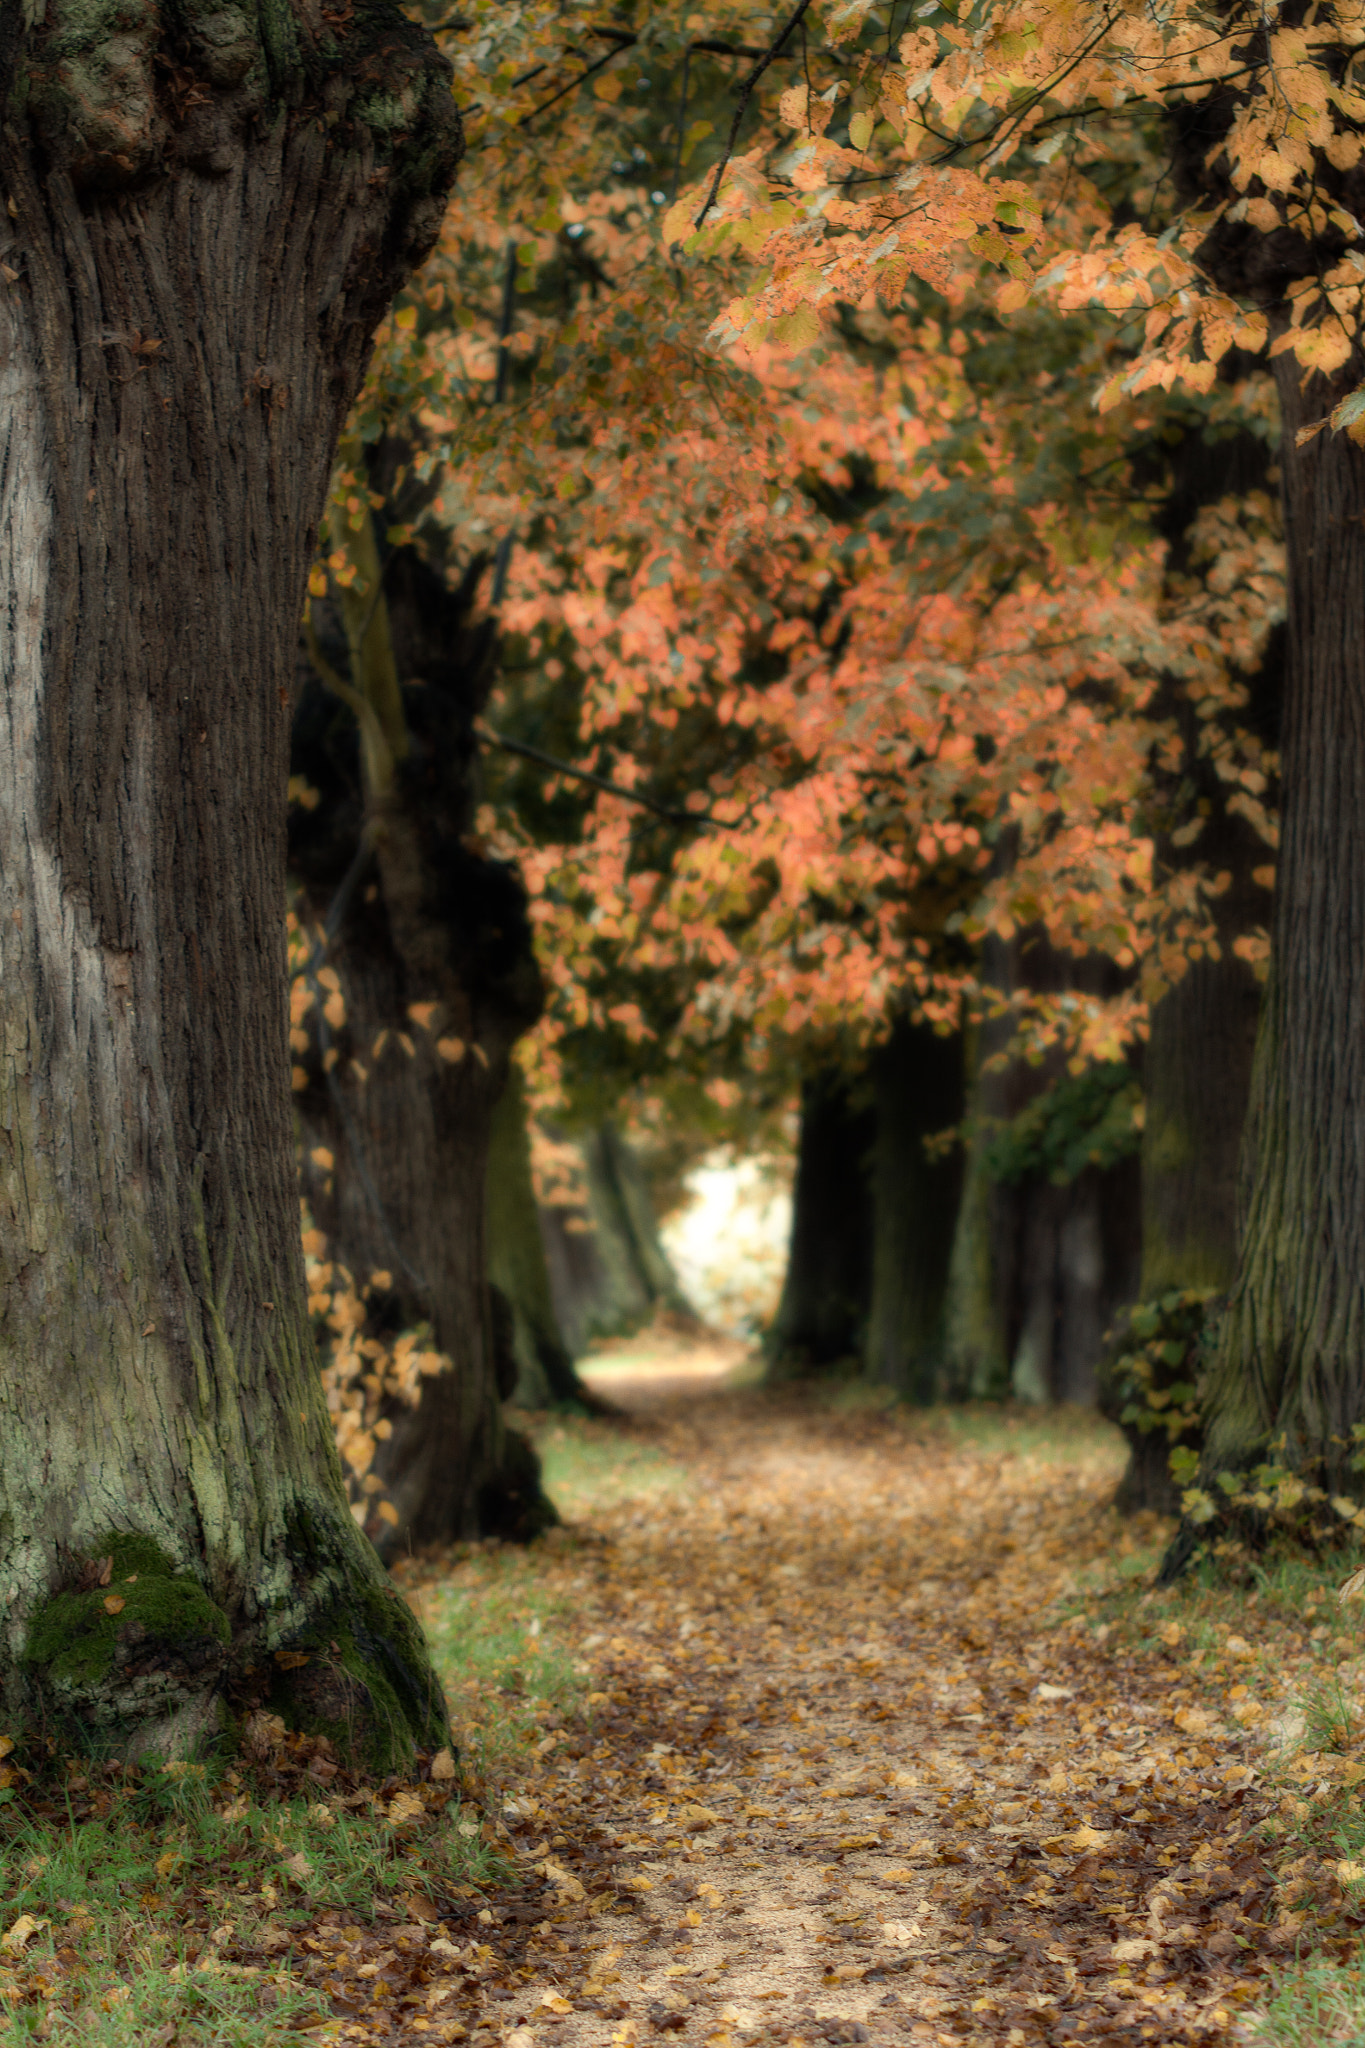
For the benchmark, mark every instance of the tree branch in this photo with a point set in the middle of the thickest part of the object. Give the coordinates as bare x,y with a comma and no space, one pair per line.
630,796
745,94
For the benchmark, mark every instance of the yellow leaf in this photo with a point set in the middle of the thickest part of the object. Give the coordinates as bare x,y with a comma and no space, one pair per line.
21,1934
387,1512
551,2001
320,1156
860,129
405,319
1352,1588
1089,1838
442,1766
169,1862
1351,1873
114,1604
797,329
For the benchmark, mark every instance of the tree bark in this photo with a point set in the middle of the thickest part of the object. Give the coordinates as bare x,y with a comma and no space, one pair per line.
1064,1258
516,1260
1291,1357
917,1084
822,1315
206,222
438,977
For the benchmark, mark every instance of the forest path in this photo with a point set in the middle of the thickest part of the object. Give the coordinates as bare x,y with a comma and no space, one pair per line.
852,1773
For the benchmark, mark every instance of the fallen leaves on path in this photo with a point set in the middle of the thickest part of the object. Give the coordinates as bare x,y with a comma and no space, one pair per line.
850,1773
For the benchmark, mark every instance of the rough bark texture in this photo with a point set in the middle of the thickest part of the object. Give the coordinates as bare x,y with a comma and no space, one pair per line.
206,220
1291,1360
822,1316
407,1127
917,1087
516,1260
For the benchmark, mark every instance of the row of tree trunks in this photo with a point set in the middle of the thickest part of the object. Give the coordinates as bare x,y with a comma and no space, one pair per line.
609,1272
873,1215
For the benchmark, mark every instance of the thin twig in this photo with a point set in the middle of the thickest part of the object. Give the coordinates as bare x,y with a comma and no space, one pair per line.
630,796
572,85
745,93
682,116
509,307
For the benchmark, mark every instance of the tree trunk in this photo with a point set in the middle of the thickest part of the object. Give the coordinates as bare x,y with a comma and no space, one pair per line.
205,231
1291,1356
1064,1257
917,1084
976,1346
516,1260
609,1273
822,1315
438,979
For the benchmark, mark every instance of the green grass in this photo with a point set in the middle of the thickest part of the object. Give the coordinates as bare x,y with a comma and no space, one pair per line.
1317,2004
1064,1435
591,1464
155,1917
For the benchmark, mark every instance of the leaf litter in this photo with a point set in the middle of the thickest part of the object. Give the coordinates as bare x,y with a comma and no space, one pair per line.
857,1763
836,1748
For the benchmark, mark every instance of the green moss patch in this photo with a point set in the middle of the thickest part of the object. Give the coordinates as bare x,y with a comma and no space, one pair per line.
360,1677
139,1613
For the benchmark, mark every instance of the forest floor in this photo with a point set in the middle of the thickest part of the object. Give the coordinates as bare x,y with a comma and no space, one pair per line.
817,1721
884,1734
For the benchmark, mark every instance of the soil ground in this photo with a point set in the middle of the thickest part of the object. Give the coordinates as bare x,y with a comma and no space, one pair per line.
853,1767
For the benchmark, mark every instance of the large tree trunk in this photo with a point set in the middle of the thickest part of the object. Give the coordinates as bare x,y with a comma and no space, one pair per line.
917,1085
1197,1065
822,1315
1291,1357
205,229
434,958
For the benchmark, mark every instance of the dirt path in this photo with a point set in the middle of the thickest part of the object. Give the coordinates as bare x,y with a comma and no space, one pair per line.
852,1775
